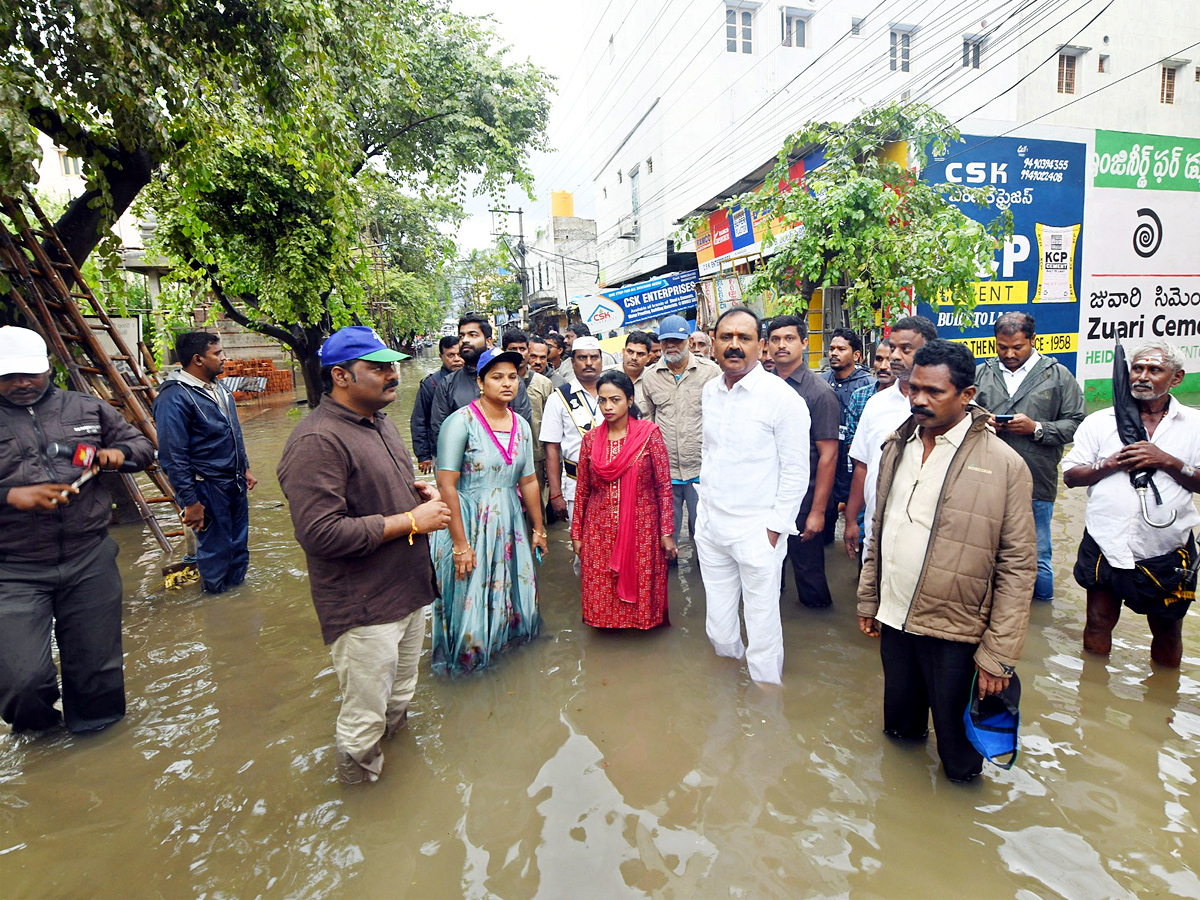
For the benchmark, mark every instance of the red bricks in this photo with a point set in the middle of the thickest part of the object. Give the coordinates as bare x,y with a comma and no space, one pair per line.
279,381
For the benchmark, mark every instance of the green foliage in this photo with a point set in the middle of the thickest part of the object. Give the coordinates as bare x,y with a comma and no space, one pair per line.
868,222
482,286
263,126
456,107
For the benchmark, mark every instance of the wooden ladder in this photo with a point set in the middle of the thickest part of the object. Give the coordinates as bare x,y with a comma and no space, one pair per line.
48,302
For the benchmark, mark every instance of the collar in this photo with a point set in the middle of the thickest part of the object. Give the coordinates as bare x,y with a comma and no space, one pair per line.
954,436
345,413
747,382
188,378
1025,367
802,374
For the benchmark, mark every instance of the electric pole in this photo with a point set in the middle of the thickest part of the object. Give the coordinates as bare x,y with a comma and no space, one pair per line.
519,256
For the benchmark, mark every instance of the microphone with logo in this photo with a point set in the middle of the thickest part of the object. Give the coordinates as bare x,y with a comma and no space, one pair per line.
83,456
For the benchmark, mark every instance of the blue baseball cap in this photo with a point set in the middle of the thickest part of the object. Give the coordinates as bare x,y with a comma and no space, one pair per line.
993,722
493,355
675,328
357,342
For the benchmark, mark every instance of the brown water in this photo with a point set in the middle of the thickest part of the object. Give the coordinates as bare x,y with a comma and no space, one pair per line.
592,764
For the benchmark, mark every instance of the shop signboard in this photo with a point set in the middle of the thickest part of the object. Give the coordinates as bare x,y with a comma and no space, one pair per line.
1142,268
740,232
1038,270
670,294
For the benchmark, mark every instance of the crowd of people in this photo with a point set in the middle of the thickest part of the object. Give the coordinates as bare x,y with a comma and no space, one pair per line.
941,470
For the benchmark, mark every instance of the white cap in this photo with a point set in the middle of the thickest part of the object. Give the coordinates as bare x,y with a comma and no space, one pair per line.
585,343
22,352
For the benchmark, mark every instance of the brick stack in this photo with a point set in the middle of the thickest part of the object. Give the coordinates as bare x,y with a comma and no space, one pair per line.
279,381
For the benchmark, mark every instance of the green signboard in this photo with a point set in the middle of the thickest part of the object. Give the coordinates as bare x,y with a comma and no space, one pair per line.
1146,162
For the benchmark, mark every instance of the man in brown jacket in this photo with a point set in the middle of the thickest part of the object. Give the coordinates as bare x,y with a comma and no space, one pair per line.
361,518
950,569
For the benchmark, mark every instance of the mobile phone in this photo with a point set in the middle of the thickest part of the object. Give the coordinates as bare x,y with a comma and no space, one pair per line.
537,554
1004,420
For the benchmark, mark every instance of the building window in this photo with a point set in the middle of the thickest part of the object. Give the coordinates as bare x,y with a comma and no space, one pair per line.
1103,66
649,164
635,194
795,29
1197,73
739,23
1167,94
1066,73
619,177
900,44
972,49
856,27
71,165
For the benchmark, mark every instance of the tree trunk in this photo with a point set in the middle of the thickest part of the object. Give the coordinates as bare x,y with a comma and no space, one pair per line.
81,226
310,368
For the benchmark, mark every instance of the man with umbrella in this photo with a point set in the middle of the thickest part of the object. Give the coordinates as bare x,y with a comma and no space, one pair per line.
1136,550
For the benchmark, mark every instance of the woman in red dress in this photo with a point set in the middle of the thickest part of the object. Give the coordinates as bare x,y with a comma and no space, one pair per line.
623,529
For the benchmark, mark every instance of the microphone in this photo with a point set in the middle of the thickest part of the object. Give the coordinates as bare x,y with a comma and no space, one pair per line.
82,456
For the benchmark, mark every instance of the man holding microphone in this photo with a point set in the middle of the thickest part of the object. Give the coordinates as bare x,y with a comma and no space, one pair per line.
58,566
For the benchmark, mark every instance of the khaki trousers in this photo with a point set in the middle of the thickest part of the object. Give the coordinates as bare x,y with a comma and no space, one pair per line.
376,667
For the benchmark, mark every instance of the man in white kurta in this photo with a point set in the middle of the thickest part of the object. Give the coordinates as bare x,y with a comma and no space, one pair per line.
753,476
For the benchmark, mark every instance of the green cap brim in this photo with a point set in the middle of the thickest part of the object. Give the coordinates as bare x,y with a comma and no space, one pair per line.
385,355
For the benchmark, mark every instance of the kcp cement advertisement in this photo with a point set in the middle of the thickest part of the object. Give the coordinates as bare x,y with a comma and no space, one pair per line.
1038,271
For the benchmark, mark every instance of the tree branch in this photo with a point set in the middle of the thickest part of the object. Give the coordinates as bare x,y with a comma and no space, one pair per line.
236,315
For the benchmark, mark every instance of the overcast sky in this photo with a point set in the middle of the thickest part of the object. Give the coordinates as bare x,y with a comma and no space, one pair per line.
552,34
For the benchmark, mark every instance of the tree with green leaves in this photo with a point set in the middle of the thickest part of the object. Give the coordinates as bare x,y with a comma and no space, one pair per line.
261,137
486,283
864,221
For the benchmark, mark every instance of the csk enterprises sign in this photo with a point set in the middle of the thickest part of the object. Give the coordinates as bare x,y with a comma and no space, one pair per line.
671,294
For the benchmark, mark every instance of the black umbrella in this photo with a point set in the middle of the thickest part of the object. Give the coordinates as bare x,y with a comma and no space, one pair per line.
1131,430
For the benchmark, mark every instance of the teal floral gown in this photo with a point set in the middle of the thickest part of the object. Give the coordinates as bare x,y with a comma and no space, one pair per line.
496,605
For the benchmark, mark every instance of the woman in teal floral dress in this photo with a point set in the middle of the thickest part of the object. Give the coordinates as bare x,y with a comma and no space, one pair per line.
484,561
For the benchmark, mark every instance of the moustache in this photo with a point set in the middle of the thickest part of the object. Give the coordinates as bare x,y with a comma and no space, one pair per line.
735,353
922,412
391,385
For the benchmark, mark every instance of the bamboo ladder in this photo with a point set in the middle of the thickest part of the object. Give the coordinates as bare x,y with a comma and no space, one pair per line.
48,301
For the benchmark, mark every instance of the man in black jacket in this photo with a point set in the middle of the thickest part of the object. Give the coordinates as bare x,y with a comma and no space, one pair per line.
461,387
58,566
424,449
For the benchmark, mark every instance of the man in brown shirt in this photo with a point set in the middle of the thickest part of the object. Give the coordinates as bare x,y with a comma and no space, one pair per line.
353,496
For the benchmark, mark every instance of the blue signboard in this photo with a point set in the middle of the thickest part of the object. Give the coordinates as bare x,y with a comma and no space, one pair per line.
671,294
1038,270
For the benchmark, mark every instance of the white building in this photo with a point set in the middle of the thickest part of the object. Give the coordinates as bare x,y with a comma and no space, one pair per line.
685,103
561,262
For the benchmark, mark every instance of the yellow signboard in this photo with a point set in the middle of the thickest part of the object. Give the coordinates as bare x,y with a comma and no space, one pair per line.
1044,343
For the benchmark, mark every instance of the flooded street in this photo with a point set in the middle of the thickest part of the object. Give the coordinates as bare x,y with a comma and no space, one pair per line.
588,764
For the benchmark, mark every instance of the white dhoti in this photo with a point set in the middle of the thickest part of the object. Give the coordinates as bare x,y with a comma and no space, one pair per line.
744,568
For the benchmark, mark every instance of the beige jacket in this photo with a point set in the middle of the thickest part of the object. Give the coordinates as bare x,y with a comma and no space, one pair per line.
977,578
674,406
539,388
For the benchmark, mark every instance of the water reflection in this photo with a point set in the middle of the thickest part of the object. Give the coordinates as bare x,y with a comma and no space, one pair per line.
602,764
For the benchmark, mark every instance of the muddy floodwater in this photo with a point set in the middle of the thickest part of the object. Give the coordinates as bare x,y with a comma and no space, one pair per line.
589,764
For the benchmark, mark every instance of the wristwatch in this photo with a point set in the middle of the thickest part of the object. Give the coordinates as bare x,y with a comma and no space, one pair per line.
1038,431
1188,471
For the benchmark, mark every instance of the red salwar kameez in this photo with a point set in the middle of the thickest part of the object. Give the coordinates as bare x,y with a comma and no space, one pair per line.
595,524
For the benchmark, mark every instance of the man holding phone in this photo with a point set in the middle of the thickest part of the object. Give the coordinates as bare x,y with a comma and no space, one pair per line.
58,566
1036,405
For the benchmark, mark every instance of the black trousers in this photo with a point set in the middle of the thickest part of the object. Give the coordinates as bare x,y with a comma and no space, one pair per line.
808,563
81,600
927,674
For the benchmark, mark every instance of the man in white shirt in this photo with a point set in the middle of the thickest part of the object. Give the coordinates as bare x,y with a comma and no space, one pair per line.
570,413
753,476
883,414
1117,557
